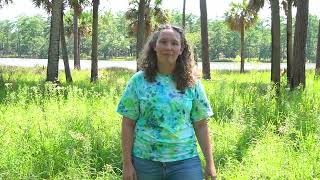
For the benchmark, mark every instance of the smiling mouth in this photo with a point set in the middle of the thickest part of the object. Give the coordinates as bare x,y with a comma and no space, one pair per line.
168,54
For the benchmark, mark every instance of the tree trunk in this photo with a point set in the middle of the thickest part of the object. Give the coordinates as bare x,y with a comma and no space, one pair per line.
242,47
53,54
299,51
64,50
318,54
76,52
184,15
78,48
19,45
141,31
204,40
275,33
289,41
94,53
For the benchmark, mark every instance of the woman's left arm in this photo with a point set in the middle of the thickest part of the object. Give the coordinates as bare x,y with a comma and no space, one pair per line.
202,132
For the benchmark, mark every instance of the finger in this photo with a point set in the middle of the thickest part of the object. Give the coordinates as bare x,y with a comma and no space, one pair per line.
206,177
213,177
125,177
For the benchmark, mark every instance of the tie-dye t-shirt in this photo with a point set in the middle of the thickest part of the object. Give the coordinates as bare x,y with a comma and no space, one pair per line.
163,116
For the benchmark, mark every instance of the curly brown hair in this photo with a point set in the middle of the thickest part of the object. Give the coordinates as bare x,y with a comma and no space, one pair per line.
183,72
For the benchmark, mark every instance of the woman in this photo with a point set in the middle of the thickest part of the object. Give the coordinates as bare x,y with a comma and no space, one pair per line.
164,108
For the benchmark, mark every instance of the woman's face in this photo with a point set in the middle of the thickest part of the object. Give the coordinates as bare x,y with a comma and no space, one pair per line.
168,47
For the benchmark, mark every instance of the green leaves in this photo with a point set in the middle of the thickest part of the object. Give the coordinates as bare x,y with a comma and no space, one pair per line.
240,14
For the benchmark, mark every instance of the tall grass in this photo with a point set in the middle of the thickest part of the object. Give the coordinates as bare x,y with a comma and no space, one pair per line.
71,131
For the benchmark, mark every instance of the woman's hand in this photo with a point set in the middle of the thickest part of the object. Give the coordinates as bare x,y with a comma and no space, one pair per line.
129,173
210,172
127,134
202,132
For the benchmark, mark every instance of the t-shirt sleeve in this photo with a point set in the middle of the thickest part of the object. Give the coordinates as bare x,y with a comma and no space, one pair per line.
129,103
201,108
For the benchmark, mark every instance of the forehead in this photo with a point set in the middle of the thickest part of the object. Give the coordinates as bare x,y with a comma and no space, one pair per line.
169,34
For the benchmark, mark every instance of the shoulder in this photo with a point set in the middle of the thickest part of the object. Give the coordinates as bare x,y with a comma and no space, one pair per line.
138,76
197,83
197,88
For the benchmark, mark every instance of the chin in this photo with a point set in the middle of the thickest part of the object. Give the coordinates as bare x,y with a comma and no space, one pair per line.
169,60
172,62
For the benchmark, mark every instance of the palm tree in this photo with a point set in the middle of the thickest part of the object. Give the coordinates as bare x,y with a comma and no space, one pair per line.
275,35
318,54
64,50
144,20
239,19
94,53
204,40
299,47
53,54
77,6
47,6
84,24
287,6
76,48
184,15
140,29
256,5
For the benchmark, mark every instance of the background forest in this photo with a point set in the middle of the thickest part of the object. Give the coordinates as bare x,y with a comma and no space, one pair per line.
56,127
29,37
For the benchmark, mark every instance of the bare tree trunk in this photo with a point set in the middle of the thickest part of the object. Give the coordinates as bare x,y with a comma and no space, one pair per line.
242,47
53,54
275,32
318,54
204,40
94,53
19,45
289,41
184,15
299,52
76,52
141,30
64,50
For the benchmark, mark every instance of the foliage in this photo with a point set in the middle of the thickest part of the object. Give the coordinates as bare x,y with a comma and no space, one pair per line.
114,40
28,36
52,132
239,15
312,37
154,15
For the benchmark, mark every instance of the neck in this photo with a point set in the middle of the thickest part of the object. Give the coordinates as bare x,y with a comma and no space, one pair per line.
166,68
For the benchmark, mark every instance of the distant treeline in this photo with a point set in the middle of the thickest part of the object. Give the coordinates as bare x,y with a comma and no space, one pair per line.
29,37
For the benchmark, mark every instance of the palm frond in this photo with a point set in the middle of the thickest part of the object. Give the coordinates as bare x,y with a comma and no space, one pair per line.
3,2
45,4
256,5
240,15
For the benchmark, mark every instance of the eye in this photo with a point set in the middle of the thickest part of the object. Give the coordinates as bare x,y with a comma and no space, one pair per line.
163,41
175,43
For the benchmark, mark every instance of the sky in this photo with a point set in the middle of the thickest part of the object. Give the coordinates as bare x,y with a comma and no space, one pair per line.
215,8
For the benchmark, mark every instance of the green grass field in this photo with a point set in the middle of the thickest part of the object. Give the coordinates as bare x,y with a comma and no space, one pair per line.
73,132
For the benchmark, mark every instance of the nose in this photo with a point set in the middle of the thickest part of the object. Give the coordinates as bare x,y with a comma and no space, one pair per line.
168,46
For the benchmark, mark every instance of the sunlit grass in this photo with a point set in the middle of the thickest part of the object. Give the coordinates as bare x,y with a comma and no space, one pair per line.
72,131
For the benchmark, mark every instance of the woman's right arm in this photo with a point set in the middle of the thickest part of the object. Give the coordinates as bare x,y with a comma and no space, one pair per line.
127,134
